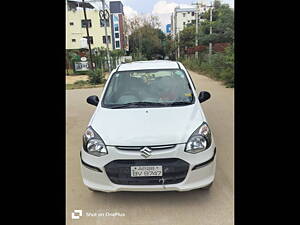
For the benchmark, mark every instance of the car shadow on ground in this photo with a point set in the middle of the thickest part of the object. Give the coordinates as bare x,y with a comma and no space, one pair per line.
155,198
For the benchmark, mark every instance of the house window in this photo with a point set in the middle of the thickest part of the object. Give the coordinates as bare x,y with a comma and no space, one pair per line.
71,23
116,27
103,21
73,40
117,35
90,40
85,23
193,13
104,39
183,14
117,44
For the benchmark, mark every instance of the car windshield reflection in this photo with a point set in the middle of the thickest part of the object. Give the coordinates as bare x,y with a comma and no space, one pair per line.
148,88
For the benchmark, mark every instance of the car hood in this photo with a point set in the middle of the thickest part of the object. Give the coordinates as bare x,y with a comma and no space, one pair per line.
147,126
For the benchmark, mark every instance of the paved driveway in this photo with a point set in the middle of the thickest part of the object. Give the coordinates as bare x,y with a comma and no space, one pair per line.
199,207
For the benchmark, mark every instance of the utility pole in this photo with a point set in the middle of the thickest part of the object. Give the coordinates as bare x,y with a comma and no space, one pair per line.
196,35
140,44
178,48
88,35
106,37
178,39
197,12
210,33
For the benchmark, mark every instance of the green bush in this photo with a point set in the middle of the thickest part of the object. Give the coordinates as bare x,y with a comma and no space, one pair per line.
96,76
221,66
228,77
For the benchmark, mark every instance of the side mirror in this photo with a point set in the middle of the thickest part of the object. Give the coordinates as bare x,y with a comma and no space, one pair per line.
93,100
203,96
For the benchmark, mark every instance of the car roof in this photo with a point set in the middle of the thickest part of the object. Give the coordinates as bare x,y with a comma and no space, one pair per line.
151,64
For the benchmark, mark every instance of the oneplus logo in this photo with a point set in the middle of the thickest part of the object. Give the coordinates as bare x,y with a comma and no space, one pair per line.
76,214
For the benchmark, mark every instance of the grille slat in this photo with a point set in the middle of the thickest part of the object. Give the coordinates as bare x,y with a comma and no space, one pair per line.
174,171
138,148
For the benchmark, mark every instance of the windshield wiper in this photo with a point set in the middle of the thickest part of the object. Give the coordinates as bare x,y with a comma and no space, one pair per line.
180,103
137,104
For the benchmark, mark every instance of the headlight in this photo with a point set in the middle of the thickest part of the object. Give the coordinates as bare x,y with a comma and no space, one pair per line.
93,144
200,140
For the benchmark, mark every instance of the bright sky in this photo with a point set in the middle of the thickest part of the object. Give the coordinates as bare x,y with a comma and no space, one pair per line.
160,8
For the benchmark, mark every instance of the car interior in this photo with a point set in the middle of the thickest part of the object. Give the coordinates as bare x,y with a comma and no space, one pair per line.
130,87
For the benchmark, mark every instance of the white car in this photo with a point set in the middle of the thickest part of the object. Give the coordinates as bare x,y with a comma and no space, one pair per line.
148,132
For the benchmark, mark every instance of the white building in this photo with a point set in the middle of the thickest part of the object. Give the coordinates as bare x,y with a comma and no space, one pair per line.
181,17
76,26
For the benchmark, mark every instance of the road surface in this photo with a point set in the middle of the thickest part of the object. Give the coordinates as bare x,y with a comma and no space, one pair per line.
201,207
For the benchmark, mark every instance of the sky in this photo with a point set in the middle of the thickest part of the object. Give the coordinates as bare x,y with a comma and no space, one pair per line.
160,8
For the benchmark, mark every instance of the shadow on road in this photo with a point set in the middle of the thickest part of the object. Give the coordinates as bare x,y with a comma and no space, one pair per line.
154,198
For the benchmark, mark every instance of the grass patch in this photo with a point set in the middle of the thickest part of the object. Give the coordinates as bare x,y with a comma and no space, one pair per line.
81,84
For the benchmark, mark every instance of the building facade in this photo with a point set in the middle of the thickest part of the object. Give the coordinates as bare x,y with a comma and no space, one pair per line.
76,26
181,17
119,39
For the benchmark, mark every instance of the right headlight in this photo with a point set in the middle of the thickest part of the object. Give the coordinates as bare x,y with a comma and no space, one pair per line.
93,144
200,140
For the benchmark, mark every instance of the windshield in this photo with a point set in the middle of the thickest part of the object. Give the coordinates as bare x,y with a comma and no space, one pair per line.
148,88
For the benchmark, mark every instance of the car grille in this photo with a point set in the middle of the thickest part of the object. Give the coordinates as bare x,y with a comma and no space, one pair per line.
174,171
138,148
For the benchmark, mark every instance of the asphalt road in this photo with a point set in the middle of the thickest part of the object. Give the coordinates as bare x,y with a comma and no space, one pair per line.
200,207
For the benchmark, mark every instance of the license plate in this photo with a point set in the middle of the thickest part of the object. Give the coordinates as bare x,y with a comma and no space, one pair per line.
146,171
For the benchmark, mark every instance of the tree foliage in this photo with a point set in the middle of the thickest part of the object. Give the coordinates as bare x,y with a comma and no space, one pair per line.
222,27
96,76
169,46
146,40
221,63
187,37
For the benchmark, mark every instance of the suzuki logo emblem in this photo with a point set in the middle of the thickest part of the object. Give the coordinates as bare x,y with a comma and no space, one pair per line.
146,152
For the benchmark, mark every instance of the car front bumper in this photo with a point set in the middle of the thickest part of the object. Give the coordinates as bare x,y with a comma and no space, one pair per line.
95,177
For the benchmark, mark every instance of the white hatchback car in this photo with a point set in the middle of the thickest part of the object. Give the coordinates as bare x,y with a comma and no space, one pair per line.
148,132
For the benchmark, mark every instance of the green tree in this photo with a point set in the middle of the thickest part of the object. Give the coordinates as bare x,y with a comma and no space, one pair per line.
221,66
222,25
187,37
146,39
169,47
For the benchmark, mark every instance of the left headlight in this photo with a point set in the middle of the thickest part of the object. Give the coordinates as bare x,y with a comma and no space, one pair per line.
93,144
200,140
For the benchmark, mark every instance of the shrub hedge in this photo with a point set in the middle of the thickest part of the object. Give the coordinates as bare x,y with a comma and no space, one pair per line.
221,66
